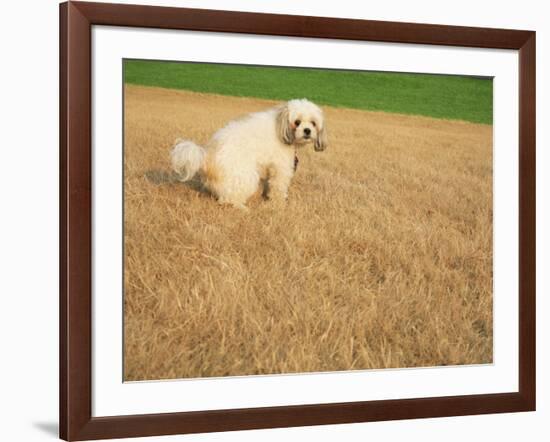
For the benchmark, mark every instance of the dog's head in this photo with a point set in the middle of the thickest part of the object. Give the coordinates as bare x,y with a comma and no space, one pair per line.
300,122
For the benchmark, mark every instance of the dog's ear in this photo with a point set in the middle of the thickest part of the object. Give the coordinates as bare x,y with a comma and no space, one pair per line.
321,142
284,129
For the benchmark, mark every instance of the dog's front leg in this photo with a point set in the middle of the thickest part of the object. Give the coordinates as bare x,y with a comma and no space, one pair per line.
278,184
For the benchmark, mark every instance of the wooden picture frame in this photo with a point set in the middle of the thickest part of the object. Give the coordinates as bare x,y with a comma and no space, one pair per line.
76,21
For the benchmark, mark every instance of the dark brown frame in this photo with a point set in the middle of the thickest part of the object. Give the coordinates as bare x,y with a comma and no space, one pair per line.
76,421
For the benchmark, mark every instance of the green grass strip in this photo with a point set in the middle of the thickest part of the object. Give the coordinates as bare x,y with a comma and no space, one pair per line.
439,96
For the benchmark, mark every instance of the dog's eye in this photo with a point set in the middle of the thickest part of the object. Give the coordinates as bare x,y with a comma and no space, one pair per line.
314,124
297,123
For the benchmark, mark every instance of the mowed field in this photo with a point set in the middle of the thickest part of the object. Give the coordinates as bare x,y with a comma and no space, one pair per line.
382,257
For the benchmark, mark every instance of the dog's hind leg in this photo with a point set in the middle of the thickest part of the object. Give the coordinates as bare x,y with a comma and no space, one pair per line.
237,189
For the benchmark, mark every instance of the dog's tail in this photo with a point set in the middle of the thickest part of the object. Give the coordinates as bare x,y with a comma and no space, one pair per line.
187,159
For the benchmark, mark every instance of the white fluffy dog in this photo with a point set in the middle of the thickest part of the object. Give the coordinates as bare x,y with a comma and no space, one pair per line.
261,145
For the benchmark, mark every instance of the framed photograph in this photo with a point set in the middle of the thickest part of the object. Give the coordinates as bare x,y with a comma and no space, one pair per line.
275,220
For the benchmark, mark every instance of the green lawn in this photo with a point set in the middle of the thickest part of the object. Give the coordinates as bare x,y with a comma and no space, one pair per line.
440,96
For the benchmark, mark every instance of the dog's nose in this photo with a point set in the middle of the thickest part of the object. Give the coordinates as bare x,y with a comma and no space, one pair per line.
307,130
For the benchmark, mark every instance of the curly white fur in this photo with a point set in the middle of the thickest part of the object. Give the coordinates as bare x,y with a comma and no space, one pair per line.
258,146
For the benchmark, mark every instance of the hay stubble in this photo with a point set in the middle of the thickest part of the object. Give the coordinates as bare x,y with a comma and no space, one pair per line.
382,257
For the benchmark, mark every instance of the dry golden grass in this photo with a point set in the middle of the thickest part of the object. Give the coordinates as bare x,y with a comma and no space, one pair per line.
383,257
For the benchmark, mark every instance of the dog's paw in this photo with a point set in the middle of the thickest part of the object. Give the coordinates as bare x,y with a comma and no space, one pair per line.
241,207
236,205
278,200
